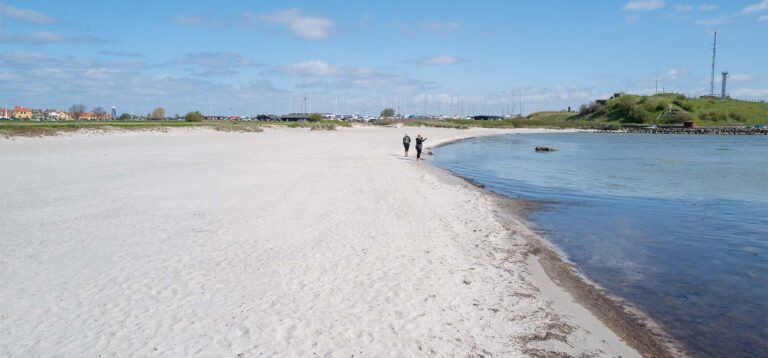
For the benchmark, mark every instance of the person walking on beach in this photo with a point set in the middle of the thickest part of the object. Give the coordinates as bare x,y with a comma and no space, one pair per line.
419,141
406,143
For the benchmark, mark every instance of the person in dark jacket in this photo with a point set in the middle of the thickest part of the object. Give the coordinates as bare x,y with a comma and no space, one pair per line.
406,143
419,141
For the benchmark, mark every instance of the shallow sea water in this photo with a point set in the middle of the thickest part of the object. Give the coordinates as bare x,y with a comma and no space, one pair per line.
676,224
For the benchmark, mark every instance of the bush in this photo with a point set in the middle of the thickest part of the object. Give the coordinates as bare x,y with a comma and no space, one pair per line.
655,106
662,105
239,127
600,109
387,113
683,104
195,116
637,114
629,112
157,113
714,116
315,117
322,126
592,107
738,117
624,105
648,105
678,117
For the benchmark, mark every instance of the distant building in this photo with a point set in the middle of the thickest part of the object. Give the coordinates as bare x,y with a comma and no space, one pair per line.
6,113
215,118
57,115
95,116
296,117
20,112
268,117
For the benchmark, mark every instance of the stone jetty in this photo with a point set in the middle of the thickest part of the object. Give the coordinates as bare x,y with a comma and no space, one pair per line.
698,130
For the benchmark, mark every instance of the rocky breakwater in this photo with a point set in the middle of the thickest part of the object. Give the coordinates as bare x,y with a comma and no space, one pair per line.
698,130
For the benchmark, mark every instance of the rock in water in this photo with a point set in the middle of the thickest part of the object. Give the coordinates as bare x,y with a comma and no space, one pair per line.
545,149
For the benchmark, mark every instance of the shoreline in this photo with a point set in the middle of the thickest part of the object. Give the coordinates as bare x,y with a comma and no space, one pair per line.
623,318
289,274
630,323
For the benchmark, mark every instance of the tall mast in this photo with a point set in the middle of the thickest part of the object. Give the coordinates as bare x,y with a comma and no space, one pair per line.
712,79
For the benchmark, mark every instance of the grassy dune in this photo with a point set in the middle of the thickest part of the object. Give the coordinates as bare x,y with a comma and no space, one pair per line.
677,108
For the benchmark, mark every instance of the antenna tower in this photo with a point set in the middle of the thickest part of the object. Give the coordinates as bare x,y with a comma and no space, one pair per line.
712,80
725,78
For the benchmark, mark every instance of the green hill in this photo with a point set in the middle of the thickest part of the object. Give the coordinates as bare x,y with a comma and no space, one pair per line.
669,108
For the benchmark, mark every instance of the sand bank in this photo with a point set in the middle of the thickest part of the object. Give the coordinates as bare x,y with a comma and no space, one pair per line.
282,243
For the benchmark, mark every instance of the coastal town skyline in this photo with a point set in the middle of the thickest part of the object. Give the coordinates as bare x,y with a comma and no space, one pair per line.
492,58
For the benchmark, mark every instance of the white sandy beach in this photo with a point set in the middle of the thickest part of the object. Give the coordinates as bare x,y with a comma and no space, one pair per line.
282,243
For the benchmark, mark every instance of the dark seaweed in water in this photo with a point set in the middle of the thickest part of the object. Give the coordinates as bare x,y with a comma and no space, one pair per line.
674,224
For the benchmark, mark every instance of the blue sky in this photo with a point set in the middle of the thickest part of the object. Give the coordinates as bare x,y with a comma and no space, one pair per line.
248,57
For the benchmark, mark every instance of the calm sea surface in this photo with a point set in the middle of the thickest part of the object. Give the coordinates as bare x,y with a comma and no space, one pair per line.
676,224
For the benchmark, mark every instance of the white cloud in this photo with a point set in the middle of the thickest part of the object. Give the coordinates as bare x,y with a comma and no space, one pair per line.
319,74
631,19
68,80
749,93
441,60
719,20
6,76
191,20
672,75
505,102
303,26
688,7
723,19
47,37
315,68
442,27
25,15
214,63
429,27
643,5
121,53
740,78
759,7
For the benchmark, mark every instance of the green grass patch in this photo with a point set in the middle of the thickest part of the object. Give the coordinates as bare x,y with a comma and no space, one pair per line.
38,129
676,108
557,120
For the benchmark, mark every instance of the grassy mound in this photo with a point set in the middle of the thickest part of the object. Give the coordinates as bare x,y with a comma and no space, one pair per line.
669,108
